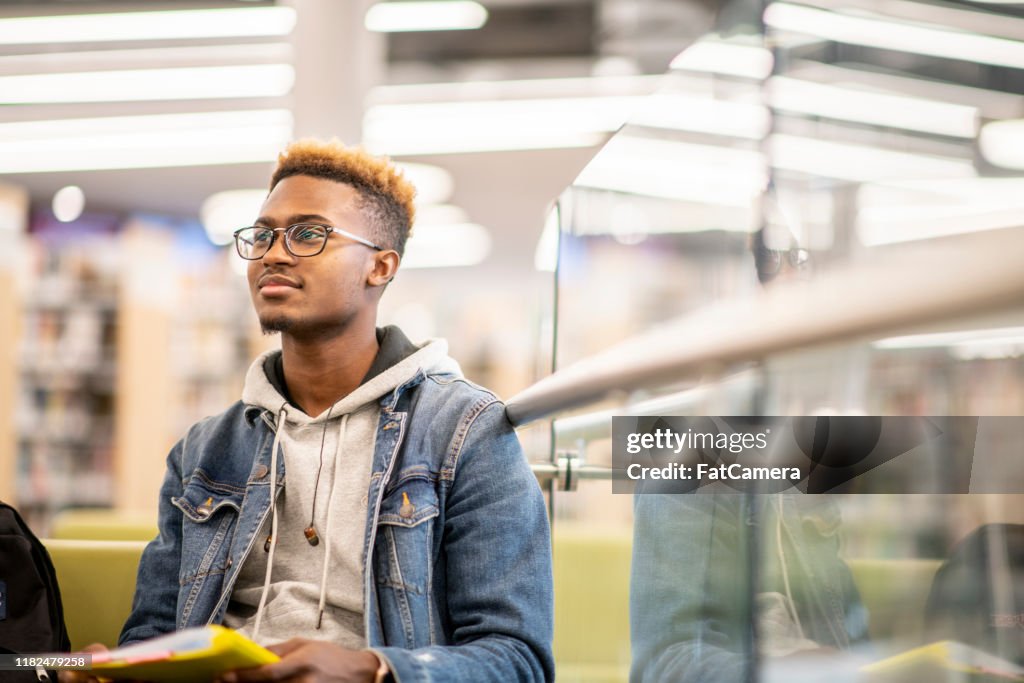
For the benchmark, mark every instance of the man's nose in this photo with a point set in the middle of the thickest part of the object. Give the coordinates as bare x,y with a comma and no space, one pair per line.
277,252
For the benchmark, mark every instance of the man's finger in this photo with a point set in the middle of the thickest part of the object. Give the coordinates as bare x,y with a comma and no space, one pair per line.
288,646
277,671
68,676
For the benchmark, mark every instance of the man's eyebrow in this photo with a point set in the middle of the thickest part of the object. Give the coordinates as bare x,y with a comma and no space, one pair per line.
292,220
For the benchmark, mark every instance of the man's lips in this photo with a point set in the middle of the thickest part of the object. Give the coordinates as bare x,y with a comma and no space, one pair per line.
272,286
276,281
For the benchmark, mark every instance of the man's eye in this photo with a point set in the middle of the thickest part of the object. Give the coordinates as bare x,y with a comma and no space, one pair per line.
308,235
262,237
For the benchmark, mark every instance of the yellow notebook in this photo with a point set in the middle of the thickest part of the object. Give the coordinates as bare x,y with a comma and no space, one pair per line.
946,660
186,656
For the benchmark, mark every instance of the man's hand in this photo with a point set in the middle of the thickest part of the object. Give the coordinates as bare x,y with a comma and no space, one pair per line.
311,661
81,676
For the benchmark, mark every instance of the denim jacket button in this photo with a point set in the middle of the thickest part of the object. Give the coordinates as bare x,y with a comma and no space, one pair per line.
408,509
261,471
206,508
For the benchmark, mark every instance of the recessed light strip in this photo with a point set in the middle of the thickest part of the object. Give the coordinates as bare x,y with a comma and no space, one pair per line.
146,57
444,15
1000,335
860,163
726,59
197,139
139,26
891,35
873,108
137,85
448,127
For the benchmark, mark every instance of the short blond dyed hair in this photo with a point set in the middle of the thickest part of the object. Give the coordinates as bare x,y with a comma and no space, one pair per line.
387,197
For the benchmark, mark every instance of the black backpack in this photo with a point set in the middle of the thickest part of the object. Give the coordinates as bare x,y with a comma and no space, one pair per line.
31,614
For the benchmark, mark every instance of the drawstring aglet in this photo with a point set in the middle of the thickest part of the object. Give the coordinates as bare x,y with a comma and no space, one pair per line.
266,544
319,619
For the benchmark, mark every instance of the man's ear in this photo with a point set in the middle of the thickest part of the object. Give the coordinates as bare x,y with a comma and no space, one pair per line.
385,265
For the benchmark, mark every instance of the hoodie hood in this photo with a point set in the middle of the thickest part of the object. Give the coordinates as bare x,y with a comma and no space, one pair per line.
431,357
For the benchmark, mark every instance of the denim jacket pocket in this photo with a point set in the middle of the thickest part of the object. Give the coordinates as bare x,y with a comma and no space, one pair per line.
210,514
404,556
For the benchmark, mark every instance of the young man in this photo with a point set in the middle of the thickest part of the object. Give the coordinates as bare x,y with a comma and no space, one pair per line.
407,540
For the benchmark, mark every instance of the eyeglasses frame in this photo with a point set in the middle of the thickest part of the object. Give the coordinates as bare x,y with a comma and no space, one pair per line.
798,258
287,245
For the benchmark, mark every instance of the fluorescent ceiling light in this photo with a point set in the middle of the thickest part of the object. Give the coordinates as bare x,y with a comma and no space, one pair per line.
136,26
146,56
133,85
676,111
728,59
224,212
903,212
912,223
434,185
995,336
443,15
144,141
516,89
450,127
860,163
447,245
1002,143
873,108
704,174
892,35
559,122
992,104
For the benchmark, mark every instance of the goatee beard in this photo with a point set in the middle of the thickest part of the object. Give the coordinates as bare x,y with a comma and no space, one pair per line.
274,325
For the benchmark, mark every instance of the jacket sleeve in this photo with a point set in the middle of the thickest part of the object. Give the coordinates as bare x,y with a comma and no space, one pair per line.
497,545
689,614
155,605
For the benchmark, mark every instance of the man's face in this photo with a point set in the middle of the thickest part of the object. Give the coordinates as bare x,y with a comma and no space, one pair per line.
314,295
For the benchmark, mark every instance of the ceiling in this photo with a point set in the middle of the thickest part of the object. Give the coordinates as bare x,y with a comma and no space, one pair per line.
338,67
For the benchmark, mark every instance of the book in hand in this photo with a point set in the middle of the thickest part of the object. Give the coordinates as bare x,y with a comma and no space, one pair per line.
944,661
186,656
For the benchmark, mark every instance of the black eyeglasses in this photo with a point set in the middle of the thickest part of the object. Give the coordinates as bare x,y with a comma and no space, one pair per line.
769,261
301,239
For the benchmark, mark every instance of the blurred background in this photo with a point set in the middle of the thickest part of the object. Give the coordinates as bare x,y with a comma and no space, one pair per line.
136,136
588,171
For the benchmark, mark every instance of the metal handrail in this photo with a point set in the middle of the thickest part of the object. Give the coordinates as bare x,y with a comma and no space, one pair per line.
598,424
899,288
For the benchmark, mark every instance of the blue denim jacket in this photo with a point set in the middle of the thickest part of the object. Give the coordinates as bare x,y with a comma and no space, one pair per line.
459,591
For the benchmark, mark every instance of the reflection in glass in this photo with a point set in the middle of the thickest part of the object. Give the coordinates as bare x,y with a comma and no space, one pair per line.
713,574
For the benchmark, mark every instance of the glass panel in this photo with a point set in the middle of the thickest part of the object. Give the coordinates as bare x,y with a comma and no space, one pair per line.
868,131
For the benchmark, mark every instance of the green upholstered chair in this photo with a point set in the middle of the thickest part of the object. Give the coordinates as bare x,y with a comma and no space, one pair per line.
591,570
97,581
103,524
895,592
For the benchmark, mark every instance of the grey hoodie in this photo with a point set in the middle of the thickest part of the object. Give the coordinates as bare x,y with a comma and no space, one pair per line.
316,591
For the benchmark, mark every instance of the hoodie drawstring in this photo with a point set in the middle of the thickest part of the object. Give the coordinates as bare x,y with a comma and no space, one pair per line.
273,520
330,518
